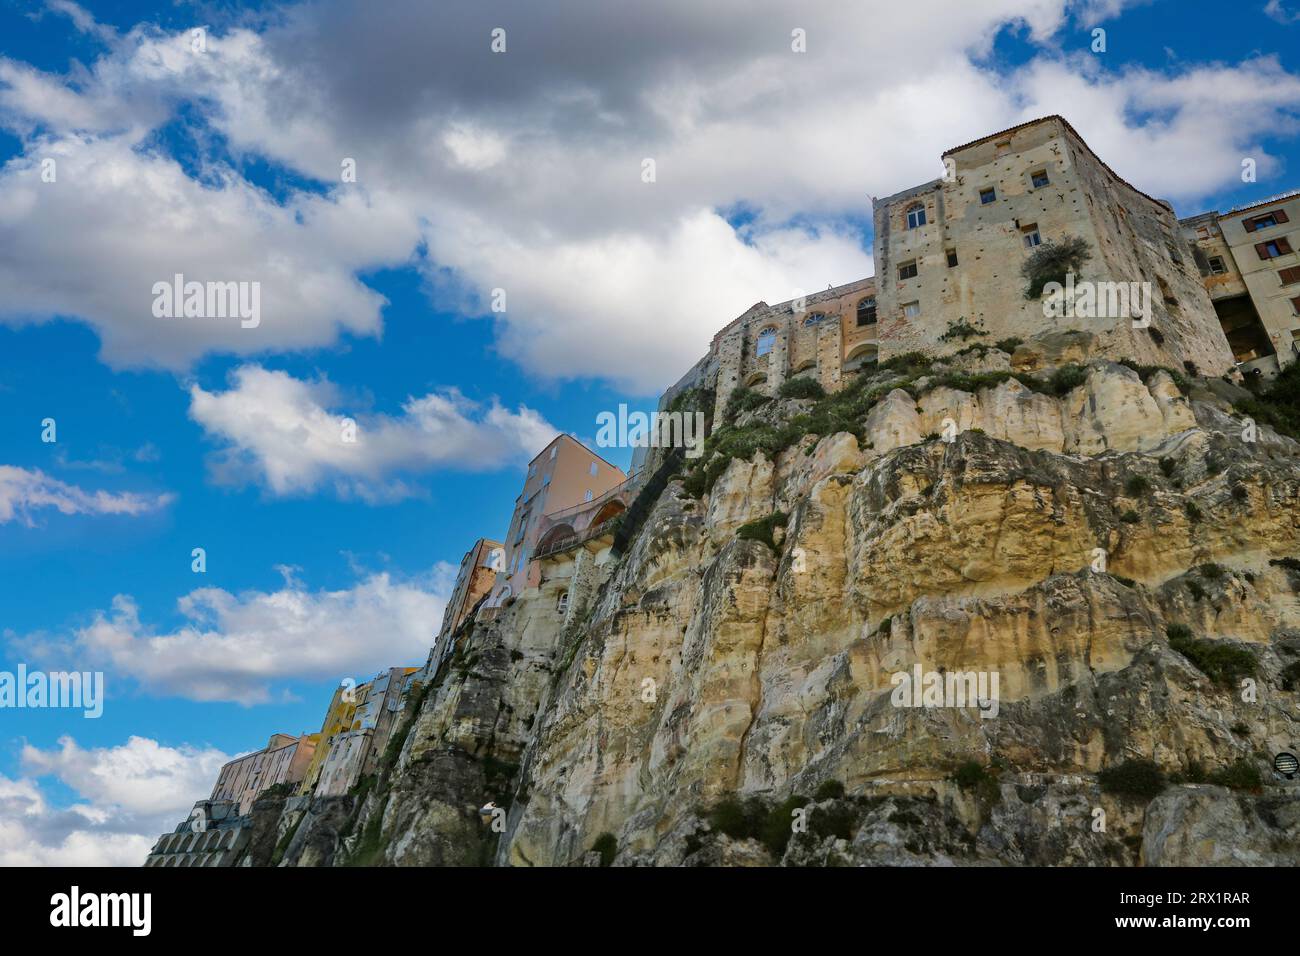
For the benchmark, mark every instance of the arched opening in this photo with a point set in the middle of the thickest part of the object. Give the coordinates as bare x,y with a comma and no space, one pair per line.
554,535
766,340
609,509
915,215
863,357
814,319
755,378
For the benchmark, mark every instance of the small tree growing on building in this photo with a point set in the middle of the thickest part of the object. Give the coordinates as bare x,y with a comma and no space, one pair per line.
1052,262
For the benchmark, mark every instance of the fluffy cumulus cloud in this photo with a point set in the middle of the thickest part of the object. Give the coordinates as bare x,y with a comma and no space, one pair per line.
291,435
25,492
240,647
522,170
126,796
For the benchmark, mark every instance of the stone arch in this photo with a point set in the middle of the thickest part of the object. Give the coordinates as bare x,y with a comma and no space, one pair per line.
555,534
755,378
608,510
862,355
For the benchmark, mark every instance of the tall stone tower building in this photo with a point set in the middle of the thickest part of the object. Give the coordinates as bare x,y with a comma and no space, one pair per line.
951,251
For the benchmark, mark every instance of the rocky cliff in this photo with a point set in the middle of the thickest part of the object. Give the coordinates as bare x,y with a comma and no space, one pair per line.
1117,545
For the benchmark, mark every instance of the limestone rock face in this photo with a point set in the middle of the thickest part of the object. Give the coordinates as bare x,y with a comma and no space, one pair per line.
1049,546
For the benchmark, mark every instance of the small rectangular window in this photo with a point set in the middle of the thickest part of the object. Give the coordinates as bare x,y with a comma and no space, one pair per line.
1266,221
1295,304
952,258
987,196
1273,248
907,270
1032,237
594,469
1040,178
1217,266
588,498
1289,276
912,309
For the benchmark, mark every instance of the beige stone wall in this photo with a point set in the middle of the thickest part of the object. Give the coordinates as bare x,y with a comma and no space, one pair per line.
813,337
1132,238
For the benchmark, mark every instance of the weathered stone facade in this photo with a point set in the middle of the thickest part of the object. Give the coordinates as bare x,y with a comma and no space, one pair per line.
948,258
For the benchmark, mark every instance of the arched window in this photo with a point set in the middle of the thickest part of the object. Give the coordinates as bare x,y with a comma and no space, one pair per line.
867,311
915,216
814,319
766,339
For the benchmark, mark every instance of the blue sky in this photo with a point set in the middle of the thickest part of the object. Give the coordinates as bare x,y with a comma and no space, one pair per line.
474,173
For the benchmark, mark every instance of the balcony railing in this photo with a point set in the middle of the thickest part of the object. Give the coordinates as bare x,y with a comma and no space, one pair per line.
570,541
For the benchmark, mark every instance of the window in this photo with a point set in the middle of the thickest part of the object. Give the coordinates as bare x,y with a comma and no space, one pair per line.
532,469
867,311
588,498
523,527
1032,237
915,216
1217,266
952,258
1039,178
814,318
987,196
907,270
553,451
766,339
1289,276
562,604
1273,248
1295,304
912,309
546,481
595,469
1265,221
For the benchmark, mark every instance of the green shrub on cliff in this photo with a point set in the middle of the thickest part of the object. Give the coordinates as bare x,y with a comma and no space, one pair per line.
1133,778
763,529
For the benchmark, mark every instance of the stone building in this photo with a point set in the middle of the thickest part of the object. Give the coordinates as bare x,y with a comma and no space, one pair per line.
360,722
948,273
1251,269
477,574
283,760
821,335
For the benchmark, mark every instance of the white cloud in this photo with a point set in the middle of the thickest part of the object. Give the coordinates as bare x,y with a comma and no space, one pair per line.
24,491
290,435
128,796
238,647
522,171
1276,11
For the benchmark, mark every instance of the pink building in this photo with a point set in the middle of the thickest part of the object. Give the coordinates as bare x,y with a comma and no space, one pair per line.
564,474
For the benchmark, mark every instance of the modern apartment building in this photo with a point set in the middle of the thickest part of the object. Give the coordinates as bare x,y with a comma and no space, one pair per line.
565,473
1251,269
